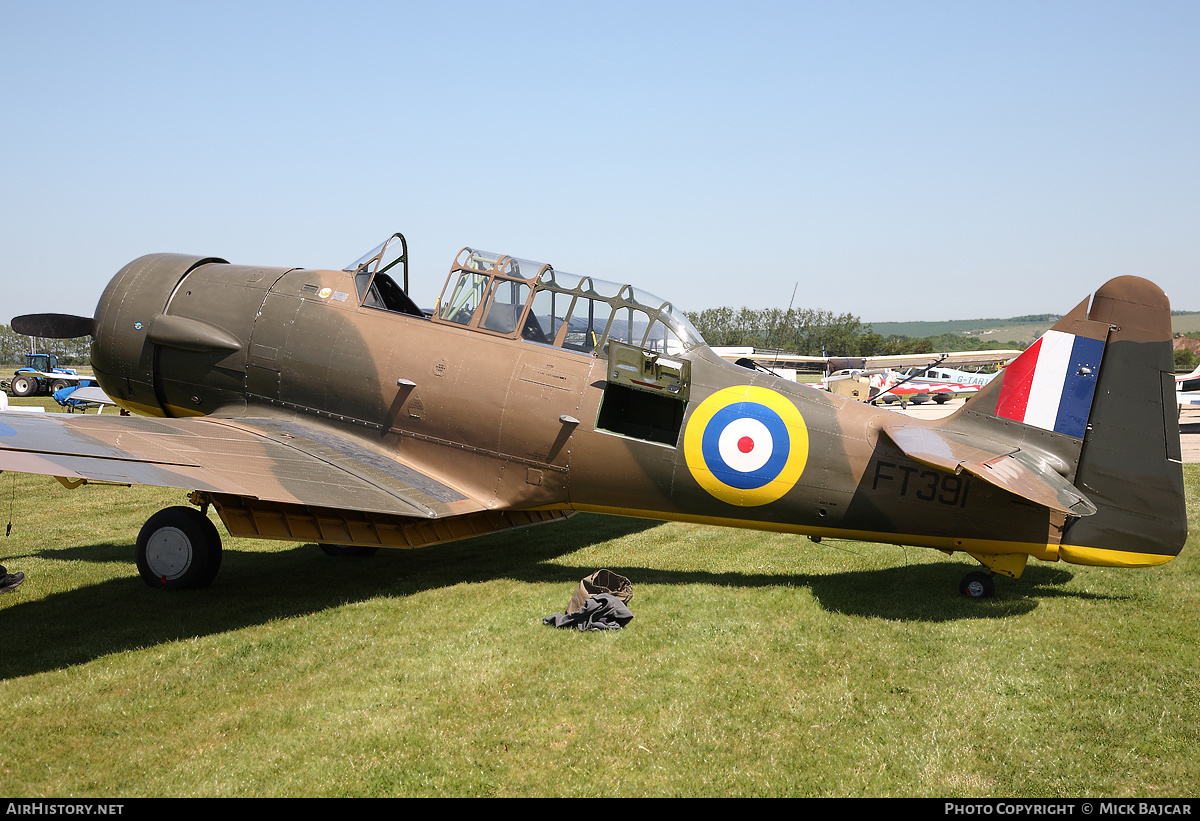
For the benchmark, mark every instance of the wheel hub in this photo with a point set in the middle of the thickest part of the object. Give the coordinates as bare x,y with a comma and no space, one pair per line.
169,553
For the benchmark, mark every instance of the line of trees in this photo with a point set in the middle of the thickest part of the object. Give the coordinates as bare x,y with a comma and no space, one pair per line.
817,332
71,352
803,331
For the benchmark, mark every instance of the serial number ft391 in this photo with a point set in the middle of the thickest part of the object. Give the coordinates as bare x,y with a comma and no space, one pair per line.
923,483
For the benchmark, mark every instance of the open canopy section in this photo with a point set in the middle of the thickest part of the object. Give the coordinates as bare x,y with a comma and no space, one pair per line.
505,295
374,274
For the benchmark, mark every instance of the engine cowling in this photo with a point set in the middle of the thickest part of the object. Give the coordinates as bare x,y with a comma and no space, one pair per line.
171,332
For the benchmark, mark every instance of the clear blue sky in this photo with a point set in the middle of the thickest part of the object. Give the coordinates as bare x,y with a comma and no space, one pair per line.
899,160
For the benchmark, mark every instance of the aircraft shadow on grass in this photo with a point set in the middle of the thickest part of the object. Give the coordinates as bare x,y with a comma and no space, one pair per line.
79,625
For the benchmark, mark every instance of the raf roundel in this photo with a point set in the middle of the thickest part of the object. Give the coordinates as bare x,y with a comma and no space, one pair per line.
746,445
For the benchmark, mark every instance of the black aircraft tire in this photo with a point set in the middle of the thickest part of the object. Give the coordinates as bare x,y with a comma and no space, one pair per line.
178,548
24,386
977,585
349,550
214,544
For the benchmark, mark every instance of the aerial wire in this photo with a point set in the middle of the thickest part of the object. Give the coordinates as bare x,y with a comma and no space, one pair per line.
11,502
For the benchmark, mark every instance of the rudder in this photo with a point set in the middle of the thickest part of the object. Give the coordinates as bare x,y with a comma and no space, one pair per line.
1096,398
1131,466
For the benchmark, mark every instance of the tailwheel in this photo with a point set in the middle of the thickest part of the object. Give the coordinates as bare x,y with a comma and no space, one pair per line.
178,548
977,585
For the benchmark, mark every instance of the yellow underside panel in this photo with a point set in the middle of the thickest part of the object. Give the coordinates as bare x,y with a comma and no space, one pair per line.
139,409
1102,557
987,547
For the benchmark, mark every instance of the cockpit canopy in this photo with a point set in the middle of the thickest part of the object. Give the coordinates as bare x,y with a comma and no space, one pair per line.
513,297
373,277
518,298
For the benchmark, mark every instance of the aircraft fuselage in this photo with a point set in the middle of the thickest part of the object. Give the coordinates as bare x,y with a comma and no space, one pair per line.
522,424
317,405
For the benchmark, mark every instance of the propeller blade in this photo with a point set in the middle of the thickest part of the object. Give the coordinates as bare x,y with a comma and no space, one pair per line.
53,326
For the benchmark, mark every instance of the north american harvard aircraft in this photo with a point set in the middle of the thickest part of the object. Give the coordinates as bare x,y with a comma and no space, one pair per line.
325,406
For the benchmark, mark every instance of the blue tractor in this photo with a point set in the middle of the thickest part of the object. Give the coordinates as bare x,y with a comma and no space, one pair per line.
41,375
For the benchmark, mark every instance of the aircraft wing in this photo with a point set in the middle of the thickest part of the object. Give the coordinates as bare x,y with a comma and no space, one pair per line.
268,459
953,359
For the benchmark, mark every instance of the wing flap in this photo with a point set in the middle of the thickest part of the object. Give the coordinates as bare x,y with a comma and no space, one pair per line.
263,459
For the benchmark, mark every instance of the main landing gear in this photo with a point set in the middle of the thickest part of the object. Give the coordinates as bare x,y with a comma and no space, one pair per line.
977,585
178,548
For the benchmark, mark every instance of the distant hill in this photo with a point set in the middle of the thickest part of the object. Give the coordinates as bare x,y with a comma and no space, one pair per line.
1186,322
1015,329
1023,329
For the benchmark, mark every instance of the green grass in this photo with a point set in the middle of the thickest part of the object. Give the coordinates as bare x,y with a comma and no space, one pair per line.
756,664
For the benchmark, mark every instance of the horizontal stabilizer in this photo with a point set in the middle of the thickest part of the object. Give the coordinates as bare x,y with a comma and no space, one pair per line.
1005,466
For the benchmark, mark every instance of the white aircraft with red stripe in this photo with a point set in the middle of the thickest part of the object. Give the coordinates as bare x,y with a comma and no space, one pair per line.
1188,382
895,386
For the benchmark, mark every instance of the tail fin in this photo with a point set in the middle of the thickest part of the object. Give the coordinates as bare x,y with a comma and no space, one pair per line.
1098,392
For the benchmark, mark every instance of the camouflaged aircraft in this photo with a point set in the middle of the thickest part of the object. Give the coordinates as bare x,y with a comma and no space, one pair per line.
325,406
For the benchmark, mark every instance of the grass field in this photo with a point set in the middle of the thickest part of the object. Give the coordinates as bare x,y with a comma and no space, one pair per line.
756,665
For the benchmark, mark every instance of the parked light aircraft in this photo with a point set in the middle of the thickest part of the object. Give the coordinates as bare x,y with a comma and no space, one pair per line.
1188,381
876,378
1187,389
942,375
896,387
937,383
929,381
325,406
889,387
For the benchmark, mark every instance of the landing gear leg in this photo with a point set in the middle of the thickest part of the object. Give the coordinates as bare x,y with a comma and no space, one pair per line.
977,585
